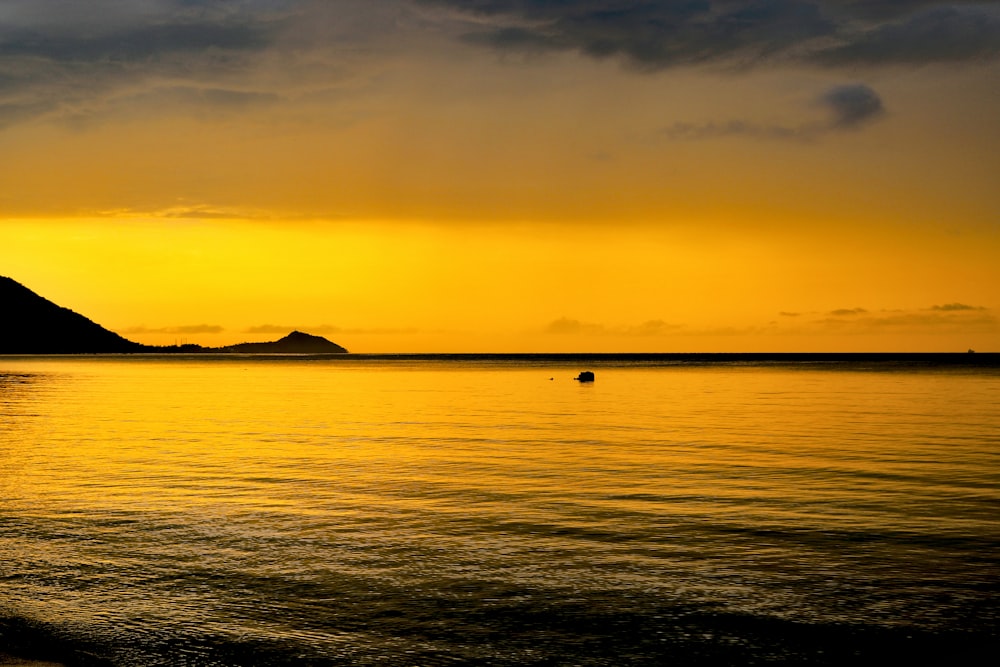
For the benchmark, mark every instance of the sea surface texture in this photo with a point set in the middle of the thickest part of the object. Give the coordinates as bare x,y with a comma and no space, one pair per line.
493,511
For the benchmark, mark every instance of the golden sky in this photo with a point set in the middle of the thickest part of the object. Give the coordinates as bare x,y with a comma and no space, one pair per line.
508,175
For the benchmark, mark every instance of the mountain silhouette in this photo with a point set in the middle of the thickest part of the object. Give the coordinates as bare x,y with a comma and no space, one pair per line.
294,343
31,324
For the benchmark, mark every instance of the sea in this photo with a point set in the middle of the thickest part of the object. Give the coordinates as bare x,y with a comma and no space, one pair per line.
493,510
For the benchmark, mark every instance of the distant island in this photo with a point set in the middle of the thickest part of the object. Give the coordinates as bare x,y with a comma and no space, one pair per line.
294,343
31,324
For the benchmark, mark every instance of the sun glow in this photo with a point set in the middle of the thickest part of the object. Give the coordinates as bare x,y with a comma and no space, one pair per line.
392,286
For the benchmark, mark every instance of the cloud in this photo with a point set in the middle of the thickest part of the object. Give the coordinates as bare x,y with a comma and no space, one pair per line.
327,329
72,59
565,326
940,319
737,128
954,307
269,329
213,97
949,317
942,33
12,113
183,329
655,34
136,43
185,211
67,59
647,34
850,106
568,326
652,328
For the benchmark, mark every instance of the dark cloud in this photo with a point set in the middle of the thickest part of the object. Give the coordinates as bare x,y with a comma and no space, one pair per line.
850,106
656,34
72,58
945,33
60,56
846,312
109,31
648,33
136,43
73,61
651,34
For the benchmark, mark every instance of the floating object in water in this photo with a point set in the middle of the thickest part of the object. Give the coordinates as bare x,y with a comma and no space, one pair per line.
585,376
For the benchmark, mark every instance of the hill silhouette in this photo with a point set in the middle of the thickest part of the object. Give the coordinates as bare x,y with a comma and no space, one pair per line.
31,324
294,343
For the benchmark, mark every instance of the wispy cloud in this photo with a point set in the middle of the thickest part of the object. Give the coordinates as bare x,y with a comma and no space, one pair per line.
326,329
950,317
203,98
847,107
946,318
182,329
956,307
568,326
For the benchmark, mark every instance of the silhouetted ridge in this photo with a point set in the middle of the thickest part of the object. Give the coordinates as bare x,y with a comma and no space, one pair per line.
294,343
31,324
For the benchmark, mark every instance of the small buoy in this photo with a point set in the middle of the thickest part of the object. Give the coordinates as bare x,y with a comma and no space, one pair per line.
585,376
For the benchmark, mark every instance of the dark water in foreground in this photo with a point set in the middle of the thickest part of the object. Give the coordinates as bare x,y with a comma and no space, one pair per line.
441,510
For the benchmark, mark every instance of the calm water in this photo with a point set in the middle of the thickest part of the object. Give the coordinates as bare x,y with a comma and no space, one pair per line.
238,511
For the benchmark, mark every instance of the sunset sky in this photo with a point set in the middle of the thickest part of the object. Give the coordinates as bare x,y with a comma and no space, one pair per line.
509,175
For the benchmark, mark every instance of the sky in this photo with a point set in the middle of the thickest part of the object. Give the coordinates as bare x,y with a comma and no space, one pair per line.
509,175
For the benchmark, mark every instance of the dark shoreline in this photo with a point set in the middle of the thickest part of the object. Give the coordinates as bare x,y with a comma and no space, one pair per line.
24,642
693,638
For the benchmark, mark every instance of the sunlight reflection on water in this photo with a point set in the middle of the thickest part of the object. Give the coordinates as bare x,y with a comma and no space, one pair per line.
431,512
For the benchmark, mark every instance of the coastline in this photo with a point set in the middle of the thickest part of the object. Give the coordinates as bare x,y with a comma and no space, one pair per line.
27,643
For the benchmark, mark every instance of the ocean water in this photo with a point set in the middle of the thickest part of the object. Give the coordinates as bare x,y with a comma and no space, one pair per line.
491,510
